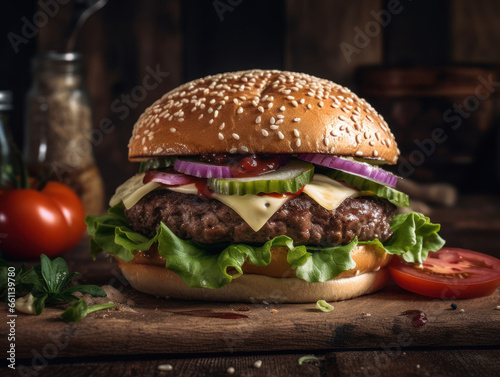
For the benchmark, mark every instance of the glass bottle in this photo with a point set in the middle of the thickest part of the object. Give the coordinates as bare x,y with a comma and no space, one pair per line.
59,125
9,158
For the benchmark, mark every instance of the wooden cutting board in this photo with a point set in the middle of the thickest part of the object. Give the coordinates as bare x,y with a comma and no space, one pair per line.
159,325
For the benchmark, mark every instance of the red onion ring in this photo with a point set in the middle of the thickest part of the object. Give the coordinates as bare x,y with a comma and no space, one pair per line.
358,168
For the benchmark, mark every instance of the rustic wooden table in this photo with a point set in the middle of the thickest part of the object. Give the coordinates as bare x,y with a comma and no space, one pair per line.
366,336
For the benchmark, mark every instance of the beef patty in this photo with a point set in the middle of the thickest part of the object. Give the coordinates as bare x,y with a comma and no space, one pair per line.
301,219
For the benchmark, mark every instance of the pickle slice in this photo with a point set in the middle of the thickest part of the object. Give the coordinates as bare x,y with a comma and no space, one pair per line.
157,163
396,197
288,178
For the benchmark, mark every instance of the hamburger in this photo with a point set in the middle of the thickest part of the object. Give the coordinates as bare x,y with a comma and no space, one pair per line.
261,185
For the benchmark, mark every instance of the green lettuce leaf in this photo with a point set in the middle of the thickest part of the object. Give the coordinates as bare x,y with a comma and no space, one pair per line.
413,237
206,266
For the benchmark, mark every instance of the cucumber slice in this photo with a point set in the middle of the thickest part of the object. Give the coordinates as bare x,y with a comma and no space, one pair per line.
289,178
396,197
157,163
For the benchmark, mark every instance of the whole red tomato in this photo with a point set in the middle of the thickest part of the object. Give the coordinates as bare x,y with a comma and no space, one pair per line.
32,222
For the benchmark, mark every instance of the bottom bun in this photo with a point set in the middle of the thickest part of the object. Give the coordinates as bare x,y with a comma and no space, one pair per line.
157,280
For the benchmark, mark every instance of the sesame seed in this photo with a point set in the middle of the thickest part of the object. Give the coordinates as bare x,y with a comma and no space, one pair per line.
343,118
233,150
172,130
272,120
261,109
280,135
326,141
359,153
279,116
274,127
358,139
216,113
321,104
309,106
296,120
181,119
333,133
279,121
210,110
298,142
269,105
332,149
369,118
335,105
258,119
221,136
211,121
244,149
240,110
388,142
265,133
372,143
296,132
295,104
212,101
375,153
236,136
302,101
221,127
377,135
193,109
290,97
282,108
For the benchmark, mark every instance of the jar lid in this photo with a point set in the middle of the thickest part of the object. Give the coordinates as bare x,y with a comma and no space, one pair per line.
59,56
58,62
5,100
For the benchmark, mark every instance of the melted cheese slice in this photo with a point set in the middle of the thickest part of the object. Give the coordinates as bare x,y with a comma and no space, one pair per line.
327,192
256,210
131,191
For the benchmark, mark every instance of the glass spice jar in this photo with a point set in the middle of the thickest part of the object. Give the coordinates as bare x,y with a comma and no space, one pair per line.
58,127
9,160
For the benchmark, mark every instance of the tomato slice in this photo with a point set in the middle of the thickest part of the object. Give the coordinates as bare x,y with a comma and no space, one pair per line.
449,273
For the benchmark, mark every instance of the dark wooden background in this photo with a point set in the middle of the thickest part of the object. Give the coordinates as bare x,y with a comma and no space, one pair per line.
190,39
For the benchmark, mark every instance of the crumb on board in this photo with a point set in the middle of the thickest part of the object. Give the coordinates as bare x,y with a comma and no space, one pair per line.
257,364
274,311
165,367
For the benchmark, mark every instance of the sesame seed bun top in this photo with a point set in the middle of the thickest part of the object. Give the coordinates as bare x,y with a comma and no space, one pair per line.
262,111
